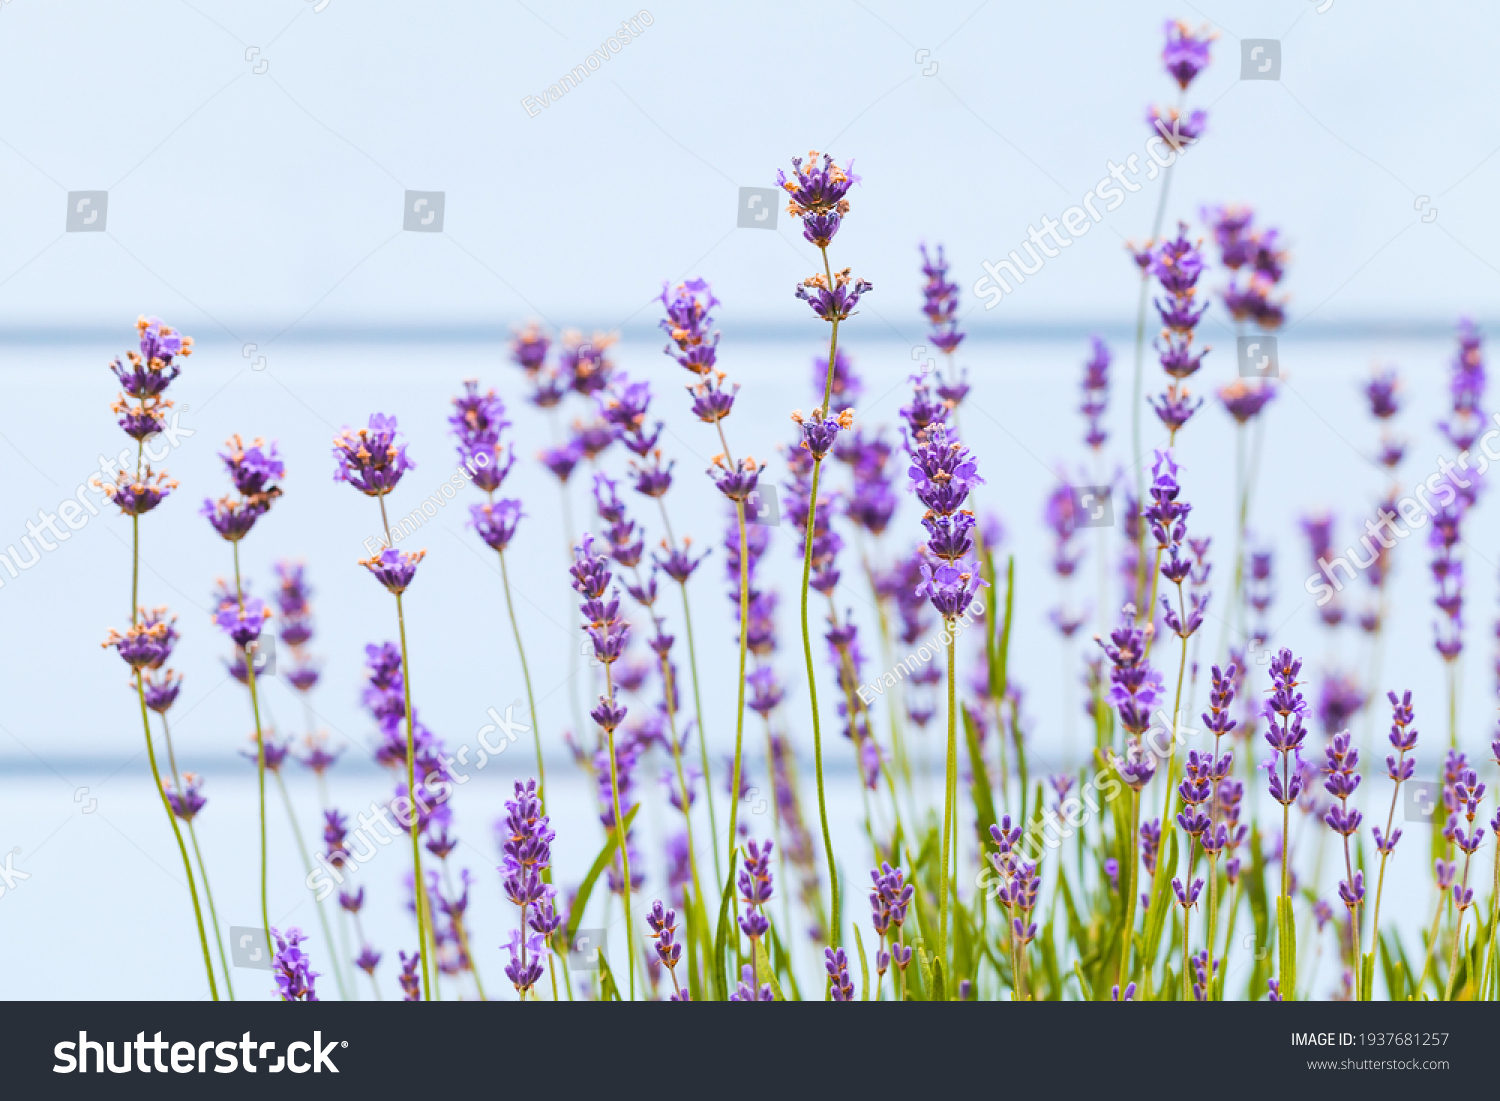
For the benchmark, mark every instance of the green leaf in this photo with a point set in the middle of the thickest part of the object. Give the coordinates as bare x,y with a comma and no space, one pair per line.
1255,889
765,974
690,935
586,888
1161,895
1000,670
925,968
979,785
1286,947
1083,983
939,994
782,963
608,991
864,966
1367,978
721,935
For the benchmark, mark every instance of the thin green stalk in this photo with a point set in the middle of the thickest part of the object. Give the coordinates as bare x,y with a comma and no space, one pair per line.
1458,933
1166,810
197,852
419,886
536,733
212,913
1140,347
812,684
140,691
739,720
1489,955
708,787
260,748
950,784
286,800
687,617
621,838
1213,914
1129,900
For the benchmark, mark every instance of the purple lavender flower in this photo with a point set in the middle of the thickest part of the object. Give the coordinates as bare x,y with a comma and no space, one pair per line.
755,889
1177,265
190,800
1185,54
372,459
411,982
478,422
393,568
834,303
688,322
526,854
819,432
294,975
746,991
243,622
162,690
818,188
496,522
837,966
147,644
136,495
1096,395
1243,401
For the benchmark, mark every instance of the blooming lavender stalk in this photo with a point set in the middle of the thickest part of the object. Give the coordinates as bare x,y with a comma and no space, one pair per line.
943,473
1177,265
146,644
888,903
1286,707
526,857
817,197
1134,687
1399,769
1342,782
1467,794
372,460
591,579
186,799
755,892
1185,54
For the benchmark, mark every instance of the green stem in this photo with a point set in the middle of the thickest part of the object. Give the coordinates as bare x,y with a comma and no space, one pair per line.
140,691
949,790
708,787
419,887
1129,900
621,838
1213,914
536,733
260,747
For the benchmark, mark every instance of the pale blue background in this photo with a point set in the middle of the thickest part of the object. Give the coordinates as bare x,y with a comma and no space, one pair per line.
265,209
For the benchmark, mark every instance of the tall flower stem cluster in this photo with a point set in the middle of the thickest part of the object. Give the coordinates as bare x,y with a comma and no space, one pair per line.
816,195
1184,55
694,345
141,411
1400,769
253,471
372,460
1344,820
943,473
608,633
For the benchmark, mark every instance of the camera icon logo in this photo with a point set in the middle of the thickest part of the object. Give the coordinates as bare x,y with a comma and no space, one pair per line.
1260,59
1092,507
1421,799
1257,356
758,207
248,947
424,212
762,508
583,953
87,211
